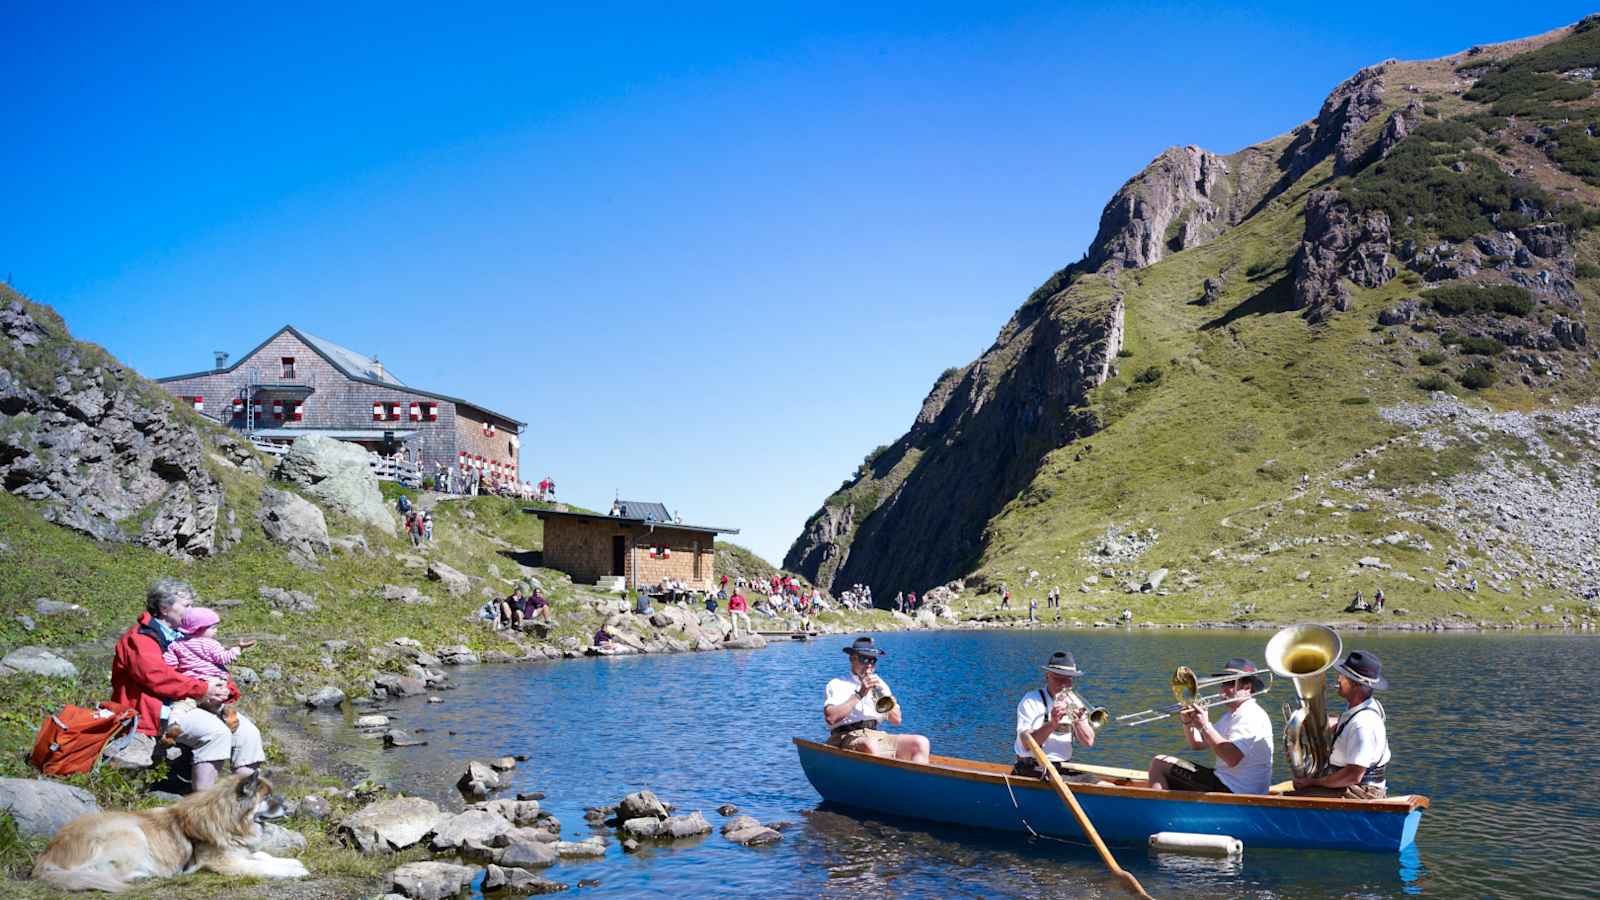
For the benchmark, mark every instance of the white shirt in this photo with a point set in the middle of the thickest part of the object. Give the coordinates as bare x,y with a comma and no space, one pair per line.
1249,729
842,689
1365,740
1031,713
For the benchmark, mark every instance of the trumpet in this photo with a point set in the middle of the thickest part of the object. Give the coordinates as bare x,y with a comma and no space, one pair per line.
1098,715
882,702
1186,689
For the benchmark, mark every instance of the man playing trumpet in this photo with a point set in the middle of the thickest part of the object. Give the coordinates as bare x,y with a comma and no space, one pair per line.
1241,740
854,706
1055,716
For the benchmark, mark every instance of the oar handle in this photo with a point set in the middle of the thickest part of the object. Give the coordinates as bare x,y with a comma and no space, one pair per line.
1128,881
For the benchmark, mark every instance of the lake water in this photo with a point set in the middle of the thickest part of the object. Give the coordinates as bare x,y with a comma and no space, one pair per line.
1500,731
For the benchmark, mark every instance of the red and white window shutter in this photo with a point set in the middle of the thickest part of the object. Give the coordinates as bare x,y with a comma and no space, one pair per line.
277,410
416,411
377,412
299,411
199,403
238,407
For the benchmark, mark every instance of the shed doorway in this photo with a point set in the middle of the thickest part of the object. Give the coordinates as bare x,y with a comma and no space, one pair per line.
619,554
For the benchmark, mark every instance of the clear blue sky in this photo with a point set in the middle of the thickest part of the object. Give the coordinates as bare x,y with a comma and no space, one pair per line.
713,255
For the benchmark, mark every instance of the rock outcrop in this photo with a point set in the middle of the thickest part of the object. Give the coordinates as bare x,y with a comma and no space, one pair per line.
339,476
293,521
1339,245
40,808
104,451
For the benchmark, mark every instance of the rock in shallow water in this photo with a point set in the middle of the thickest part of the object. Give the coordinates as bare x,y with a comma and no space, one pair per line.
431,880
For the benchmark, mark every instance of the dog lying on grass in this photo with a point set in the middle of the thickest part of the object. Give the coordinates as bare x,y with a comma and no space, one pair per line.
215,829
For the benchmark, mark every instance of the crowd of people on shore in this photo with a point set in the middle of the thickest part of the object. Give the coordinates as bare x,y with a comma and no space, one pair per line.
471,481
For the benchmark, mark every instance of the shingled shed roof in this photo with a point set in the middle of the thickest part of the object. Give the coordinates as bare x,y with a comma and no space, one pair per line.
547,514
638,509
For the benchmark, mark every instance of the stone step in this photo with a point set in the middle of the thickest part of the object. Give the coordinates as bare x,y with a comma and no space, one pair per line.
614,584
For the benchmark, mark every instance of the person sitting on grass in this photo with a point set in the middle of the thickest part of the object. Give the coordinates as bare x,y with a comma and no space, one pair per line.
140,678
536,607
511,608
602,637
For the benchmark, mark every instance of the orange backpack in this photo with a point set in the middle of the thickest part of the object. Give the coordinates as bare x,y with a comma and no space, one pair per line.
71,741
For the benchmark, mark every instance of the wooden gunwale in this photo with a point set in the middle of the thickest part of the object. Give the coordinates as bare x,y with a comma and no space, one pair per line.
995,773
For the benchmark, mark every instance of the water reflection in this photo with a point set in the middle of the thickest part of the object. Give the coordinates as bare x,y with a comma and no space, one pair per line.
1472,720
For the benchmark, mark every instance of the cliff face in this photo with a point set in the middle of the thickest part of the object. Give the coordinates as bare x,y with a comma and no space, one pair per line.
103,450
1424,174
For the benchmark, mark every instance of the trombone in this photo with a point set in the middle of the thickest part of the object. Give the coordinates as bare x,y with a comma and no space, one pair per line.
1186,689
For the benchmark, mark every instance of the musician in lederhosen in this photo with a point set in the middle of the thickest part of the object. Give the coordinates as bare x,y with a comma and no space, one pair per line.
1055,717
850,708
1357,768
1241,740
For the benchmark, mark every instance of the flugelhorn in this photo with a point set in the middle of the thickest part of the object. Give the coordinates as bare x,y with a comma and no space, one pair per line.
1186,688
1097,715
1303,654
883,703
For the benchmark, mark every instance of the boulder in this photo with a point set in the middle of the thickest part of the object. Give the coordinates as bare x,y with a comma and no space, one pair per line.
40,808
431,880
339,476
44,606
641,804
671,827
503,764
374,720
315,807
407,595
747,831
397,738
293,521
525,853
478,773
389,825
326,697
280,841
399,685
745,642
458,655
454,582
517,812
36,661
589,848
288,601
519,881
478,825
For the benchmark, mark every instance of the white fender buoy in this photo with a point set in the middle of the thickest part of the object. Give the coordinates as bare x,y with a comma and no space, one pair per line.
1196,844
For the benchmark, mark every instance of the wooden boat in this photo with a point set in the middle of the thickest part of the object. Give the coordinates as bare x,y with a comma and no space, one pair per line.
985,795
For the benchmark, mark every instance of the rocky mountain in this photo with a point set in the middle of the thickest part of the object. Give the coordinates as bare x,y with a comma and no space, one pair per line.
1242,326
103,450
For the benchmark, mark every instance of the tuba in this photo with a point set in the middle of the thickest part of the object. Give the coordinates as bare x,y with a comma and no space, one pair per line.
1303,654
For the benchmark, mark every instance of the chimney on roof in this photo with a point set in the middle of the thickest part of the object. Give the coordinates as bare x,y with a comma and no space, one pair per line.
221,357
377,367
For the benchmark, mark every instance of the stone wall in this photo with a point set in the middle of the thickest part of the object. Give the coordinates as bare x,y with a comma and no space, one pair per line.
340,402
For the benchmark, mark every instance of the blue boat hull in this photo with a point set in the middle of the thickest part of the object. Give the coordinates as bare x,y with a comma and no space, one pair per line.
982,795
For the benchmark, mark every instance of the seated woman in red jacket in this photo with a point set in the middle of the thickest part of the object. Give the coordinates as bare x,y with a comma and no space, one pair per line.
141,679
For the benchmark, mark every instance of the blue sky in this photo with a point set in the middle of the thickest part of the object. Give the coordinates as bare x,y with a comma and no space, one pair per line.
713,255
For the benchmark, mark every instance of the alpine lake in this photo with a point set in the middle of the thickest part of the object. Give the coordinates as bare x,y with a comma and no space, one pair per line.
1497,730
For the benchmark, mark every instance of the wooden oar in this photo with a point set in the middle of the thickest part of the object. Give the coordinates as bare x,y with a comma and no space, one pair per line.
1128,881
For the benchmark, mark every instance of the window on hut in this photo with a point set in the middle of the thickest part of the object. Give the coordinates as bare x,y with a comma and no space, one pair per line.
288,367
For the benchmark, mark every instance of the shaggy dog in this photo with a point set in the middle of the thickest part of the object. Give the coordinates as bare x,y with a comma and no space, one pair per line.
215,829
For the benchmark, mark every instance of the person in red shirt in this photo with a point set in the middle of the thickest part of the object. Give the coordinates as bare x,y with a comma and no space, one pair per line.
163,696
738,609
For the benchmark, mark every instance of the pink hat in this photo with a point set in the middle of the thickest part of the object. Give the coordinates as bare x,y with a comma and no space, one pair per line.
199,618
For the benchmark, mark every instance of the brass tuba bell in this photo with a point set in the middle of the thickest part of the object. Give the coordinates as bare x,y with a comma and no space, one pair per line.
1303,654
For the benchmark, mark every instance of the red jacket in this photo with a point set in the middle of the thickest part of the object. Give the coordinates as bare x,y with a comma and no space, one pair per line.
141,679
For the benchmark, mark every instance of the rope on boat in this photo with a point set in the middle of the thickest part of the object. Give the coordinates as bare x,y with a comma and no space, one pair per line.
1024,819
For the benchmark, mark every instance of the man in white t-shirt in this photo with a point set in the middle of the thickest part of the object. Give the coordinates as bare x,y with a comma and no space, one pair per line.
1052,719
1241,740
1358,767
850,709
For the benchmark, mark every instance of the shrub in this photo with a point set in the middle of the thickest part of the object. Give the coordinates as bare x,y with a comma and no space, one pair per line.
1152,375
1420,191
948,372
1356,401
1257,269
1482,346
1477,377
1588,270
1124,353
1433,382
1466,299
1431,358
